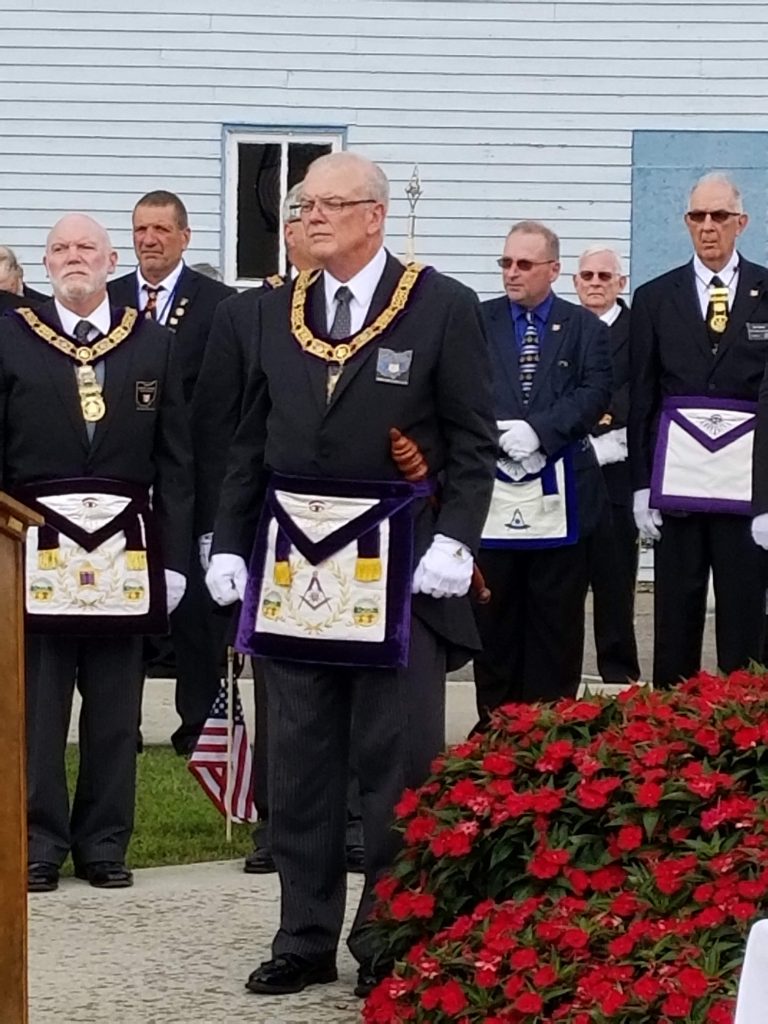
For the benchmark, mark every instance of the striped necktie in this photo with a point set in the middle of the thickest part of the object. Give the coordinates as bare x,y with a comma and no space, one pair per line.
529,357
150,310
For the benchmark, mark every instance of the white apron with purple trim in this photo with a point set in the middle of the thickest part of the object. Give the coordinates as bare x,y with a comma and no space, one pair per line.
330,576
703,456
537,511
93,567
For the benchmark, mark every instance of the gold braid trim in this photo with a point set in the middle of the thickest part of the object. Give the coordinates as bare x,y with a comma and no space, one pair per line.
340,352
274,281
82,354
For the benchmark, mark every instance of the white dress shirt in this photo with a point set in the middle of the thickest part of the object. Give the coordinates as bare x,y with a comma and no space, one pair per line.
610,316
164,288
362,286
729,275
101,319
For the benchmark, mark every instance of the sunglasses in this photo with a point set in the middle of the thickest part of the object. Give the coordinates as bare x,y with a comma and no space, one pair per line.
506,263
718,216
602,275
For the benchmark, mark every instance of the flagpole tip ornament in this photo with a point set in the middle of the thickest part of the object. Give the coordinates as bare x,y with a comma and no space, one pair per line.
413,192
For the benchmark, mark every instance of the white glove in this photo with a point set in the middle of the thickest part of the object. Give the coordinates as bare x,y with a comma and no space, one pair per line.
753,983
610,447
647,519
445,570
760,530
175,586
204,542
226,578
534,463
519,439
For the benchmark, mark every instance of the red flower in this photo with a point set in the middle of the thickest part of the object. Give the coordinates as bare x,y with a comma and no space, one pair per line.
647,988
555,755
594,793
452,998
386,887
575,938
420,828
408,804
522,958
529,1002
605,879
412,904
649,794
547,863
693,982
545,801
629,838
544,976
676,1005
498,764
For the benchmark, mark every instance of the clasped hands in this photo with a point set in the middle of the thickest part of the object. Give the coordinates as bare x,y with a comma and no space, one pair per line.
520,442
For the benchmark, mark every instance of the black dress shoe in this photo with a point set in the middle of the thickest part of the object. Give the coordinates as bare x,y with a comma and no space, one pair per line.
291,973
356,860
369,976
259,862
105,874
42,876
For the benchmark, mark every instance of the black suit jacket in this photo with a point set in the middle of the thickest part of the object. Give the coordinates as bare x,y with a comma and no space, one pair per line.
616,474
671,352
445,407
32,297
571,388
218,398
43,434
9,300
202,295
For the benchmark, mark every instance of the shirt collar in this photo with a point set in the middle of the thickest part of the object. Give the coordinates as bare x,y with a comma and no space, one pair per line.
610,316
168,283
541,312
705,274
362,285
101,318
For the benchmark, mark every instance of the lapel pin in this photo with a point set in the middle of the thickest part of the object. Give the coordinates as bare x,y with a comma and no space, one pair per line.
179,311
754,293
555,327
173,321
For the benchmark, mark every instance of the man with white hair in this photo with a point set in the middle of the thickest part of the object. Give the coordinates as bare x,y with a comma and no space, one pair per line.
95,438
613,547
357,597
698,345
12,278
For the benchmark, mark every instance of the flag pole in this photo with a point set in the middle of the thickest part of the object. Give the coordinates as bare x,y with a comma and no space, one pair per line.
230,727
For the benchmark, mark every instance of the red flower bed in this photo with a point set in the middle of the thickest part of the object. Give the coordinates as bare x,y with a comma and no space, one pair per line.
589,862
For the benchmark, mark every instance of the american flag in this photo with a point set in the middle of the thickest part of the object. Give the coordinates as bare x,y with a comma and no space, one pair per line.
208,762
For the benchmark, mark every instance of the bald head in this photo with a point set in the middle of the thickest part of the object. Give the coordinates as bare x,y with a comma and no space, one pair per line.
367,176
78,258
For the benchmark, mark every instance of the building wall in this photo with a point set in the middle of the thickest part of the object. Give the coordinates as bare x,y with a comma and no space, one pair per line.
510,109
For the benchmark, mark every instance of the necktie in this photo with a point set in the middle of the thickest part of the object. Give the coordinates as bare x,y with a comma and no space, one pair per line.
82,329
340,328
529,357
717,311
150,310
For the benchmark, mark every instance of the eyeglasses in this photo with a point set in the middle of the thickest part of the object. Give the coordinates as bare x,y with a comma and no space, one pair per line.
602,275
329,206
506,263
718,216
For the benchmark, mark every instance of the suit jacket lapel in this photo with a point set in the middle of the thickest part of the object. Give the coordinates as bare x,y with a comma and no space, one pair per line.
687,301
117,372
62,371
554,336
317,369
393,270
179,302
749,293
501,333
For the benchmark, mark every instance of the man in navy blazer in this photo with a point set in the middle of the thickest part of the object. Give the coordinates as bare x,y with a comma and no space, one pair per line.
533,628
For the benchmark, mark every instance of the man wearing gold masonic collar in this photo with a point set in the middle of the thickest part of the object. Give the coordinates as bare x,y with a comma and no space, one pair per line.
340,359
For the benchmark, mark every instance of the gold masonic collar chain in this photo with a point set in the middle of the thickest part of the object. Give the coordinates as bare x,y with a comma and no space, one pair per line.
88,388
341,352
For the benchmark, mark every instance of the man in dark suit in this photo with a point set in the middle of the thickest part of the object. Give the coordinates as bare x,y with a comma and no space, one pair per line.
699,337
12,279
552,383
613,547
183,300
338,360
103,414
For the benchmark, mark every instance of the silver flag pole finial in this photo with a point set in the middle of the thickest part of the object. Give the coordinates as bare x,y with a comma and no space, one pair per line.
413,193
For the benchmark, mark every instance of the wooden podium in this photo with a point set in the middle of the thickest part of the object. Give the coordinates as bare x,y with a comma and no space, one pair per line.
14,521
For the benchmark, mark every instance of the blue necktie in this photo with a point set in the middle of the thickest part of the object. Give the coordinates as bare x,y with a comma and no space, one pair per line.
529,357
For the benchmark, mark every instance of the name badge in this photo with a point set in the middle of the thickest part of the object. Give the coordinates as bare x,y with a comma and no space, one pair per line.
393,367
146,394
757,332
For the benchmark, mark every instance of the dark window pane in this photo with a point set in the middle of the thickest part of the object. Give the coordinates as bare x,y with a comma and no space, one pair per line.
300,156
258,209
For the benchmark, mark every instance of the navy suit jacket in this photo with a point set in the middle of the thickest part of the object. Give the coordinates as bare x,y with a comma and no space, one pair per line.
571,389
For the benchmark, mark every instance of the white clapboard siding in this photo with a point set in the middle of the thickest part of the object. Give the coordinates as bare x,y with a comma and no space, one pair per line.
511,109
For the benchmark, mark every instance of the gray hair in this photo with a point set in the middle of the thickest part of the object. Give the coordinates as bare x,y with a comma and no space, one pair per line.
535,227
376,180
8,259
288,211
594,250
719,178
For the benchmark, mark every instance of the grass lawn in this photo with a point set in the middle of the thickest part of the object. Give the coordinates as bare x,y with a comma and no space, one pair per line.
176,823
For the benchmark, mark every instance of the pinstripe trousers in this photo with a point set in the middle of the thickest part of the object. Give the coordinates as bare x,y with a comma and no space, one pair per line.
391,724
109,672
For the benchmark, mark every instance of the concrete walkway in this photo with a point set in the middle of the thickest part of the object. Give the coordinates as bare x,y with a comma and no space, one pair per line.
177,948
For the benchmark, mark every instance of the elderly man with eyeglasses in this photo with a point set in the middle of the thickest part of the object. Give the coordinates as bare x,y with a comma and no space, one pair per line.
552,383
613,547
698,345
